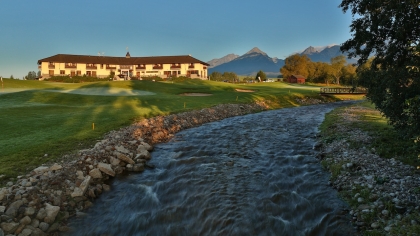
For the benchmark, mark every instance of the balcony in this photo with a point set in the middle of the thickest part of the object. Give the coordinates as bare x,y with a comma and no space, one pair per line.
141,67
125,67
175,66
92,67
158,67
111,67
51,66
191,67
70,66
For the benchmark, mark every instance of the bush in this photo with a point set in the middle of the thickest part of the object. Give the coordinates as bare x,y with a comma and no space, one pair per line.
75,79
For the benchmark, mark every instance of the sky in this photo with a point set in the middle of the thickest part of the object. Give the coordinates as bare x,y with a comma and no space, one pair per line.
32,30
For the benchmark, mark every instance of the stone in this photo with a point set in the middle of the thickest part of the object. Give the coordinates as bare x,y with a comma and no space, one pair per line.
9,227
29,211
55,167
374,225
146,146
3,193
138,167
80,174
114,161
95,173
2,209
44,226
122,149
143,154
25,220
13,208
79,191
26,232
41,169
106,168
35,223
106,187
42,213
125,158
51,212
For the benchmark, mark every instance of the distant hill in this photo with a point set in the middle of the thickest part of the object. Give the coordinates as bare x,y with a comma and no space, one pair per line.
225,59
325,54
250,63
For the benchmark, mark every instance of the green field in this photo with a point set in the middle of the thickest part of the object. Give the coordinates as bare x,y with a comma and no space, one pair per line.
38,118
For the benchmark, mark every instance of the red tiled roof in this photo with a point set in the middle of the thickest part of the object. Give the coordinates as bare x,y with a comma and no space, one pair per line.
67,58
298,76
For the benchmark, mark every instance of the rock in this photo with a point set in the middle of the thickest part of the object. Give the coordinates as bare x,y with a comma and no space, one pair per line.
9,227
55,167
114,161
146,146
106,187
42,213
26,232
3,193
44,226
13,208
125,158
106,168
138,167
41,169
79,191
51,212
79,174
95,173
374,225
143,154
122,149
2,209
25,220
29,211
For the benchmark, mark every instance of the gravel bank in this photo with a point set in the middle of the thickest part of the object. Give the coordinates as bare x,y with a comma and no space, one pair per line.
384,194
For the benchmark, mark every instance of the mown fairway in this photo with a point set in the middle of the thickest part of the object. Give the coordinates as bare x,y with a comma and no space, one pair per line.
38,118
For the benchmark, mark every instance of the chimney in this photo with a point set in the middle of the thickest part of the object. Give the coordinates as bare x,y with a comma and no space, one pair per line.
127,55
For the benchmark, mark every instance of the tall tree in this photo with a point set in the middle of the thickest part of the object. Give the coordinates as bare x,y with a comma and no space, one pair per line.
337,65
295,65
261,75
390,30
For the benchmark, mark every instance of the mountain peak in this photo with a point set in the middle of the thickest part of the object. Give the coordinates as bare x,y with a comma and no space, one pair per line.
309,50
256,50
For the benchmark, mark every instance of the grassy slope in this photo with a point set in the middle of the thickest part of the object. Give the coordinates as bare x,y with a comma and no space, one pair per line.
35,121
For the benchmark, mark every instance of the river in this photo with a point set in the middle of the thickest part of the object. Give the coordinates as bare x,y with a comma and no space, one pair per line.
250,175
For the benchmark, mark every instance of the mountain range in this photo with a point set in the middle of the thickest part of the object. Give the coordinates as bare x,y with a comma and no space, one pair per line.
255,59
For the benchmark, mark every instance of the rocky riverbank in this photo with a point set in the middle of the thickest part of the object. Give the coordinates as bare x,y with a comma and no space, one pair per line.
384,194
40,202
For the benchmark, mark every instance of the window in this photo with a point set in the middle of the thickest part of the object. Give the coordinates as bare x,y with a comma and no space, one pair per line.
51,72
72,73
62,72
102,66
94,73
88,73
79,73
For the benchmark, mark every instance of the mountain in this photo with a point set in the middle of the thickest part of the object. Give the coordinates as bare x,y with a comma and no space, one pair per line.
250,63
225,59
325,54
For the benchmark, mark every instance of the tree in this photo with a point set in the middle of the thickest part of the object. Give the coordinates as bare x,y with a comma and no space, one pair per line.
295,65
11,77
215,75
391,32
31,75
261,75
337,65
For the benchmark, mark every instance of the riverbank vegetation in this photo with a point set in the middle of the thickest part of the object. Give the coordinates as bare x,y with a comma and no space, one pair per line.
40,121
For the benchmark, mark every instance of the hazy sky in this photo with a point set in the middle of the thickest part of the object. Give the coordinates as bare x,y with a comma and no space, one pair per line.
31,30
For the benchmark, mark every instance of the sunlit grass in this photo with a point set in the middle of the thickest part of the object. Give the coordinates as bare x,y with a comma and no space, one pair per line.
36,121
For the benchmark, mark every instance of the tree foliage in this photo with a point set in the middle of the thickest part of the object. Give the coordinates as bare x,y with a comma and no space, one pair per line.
295,65
389,30
31,75
226,76
260,75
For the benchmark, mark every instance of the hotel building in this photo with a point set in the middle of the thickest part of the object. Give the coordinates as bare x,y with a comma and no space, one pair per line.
127,67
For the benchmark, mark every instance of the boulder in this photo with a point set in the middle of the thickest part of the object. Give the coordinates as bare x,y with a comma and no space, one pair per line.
13,208
106,168
41,169
95,173
79,191
125,158
56,167
9,227
122,149
52,212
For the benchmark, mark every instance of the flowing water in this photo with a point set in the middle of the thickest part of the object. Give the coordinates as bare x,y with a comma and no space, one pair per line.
248,175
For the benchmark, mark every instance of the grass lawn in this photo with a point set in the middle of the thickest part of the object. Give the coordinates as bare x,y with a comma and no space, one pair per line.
38,118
